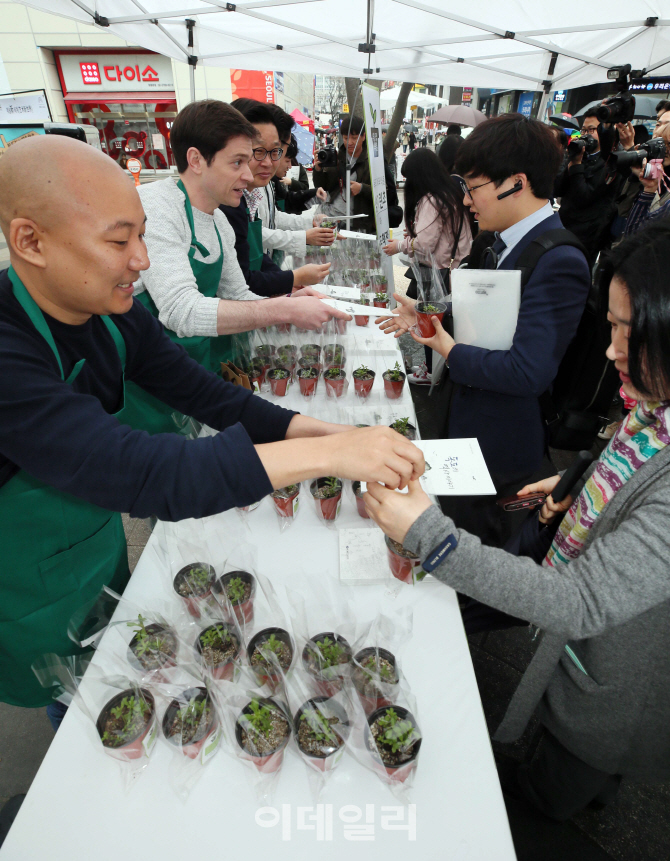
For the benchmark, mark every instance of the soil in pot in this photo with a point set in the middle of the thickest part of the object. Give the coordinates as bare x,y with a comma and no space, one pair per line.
189,721
395,734
193,584
404,565
262,731
319,726
327,493
307,380
360,504
394,380
153,647
279,379
375,677
218,646
327,658
239,588
424,312
270,640
306,364
364,379
127,724
404,427
286,500
335,380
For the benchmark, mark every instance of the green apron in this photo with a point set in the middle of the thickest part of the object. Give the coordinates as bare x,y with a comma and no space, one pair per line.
278,256
58,552
255,240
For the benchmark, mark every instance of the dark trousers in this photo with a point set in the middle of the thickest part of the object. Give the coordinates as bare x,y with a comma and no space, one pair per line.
560,784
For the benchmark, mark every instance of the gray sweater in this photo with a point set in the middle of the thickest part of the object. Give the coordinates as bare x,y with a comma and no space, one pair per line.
611,605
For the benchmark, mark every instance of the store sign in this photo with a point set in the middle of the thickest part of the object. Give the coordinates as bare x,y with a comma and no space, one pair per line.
114,72
526,104
251,84
650,85
466,98
559,95
24,109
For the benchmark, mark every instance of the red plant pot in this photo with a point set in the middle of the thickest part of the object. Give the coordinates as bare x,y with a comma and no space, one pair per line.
283,327
287,507
361,321
393,388
407,569
194,603
360,504
378,304
387,690
244,612
307,385
193,749
143,743
336,388
423,319
279,386
401,772
329,508
362,388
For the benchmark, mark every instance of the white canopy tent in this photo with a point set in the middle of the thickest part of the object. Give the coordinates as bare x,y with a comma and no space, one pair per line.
504,45
389,97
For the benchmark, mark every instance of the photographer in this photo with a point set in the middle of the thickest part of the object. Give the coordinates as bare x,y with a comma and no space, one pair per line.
590,181
653,201
331,176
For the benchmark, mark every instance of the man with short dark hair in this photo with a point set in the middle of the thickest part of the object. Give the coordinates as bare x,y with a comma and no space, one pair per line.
662,107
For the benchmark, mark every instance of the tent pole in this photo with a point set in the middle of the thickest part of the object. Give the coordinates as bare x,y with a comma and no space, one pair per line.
191,79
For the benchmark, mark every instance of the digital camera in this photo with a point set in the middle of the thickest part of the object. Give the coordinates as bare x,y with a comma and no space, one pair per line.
587,143
652,149
327,157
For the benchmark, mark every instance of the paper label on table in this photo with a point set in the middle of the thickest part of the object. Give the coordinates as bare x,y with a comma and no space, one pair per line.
339,291
363,556
454,467
210,746
352,308
485,305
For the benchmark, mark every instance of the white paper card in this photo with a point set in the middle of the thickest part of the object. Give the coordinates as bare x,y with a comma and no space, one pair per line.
352,234
454,467
363,557
485,305
354,308
340,291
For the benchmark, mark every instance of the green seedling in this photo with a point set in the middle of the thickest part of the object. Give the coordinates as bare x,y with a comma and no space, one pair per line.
331,487
129,710
397,734
396,374
431,309
308,373
274,644
374,668
198,577
259,718
194,712
400,425
381,297
362,372
329,652
236,590
215,637
319,726
333,373
144,641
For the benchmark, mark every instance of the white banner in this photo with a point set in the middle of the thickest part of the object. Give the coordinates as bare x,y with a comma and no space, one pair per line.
24,109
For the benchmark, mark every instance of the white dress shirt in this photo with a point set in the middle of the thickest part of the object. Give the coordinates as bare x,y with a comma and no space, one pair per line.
514,234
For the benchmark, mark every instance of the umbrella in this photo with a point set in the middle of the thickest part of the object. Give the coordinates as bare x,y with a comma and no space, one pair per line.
410,127
565,121
459,114
645,107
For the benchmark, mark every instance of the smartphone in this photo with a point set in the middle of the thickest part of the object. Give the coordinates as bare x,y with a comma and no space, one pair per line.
521,503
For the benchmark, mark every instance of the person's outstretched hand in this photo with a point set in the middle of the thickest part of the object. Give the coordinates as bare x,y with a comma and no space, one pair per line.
373,454
396,512
550,509
441,342
403,317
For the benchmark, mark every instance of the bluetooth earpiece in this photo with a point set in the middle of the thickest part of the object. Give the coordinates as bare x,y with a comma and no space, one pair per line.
516,187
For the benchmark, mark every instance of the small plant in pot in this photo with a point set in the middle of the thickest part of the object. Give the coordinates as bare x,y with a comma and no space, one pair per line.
327,658
286,500
127,724
240,588
193,583
375,678
361,319
327,493
305,364
363,381
270,654
153,646
190,721
381,300
404,427
265,352
217,647
394,380
424,311
335,379
334,354
262,731
394,734
404,565
360,504
286,359
255,370
279,379
319,728
307,380
311,351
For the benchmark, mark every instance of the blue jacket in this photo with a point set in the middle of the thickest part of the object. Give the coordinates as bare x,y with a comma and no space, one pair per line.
496,392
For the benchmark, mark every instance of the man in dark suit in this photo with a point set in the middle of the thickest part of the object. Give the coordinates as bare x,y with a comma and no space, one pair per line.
509,165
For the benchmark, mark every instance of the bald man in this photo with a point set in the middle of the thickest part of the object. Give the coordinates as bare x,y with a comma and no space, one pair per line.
71,334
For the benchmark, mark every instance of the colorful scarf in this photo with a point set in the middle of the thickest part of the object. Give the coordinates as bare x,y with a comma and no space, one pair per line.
643,432
253,199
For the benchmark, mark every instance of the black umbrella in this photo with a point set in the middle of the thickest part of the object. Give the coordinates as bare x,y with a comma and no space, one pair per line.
410,127
564,121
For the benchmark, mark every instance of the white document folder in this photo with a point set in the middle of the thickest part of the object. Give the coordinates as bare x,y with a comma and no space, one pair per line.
485,305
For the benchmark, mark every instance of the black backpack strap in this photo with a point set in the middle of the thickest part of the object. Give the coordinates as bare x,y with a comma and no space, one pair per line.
530,256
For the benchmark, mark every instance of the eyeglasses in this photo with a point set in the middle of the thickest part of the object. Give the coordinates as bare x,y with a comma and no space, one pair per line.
466,188
260,153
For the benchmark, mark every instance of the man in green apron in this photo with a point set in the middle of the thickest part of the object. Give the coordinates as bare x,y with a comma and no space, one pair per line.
71,334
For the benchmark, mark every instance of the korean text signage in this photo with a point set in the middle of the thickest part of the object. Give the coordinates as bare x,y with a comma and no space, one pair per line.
251,84
24,109
114,72
526,104
650,85
466,98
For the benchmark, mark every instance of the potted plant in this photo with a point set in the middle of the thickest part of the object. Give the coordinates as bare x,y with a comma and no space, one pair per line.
218,647
375,678
318,727
262,731
394,380
329,224
265,352
311,352
404,427
404,565
127,724
426,310
190,721
286,359
393,732
279,379
283,327
381,300
327,493
255,370
362,320
326,658
334,354
240,589
363,381
360,504
267,647
153,646
287,349
307,380
286,500
335,379
193,583
305,364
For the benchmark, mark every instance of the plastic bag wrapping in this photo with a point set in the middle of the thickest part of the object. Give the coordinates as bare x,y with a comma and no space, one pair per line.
310,363
216,643
189,562
238,586
433,297
247,510
287,503
326,493
257,727
86,626
264,344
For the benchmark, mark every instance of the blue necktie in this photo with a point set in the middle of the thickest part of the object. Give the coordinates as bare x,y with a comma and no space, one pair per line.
494,251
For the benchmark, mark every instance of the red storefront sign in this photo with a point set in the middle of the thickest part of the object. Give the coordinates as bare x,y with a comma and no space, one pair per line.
253,85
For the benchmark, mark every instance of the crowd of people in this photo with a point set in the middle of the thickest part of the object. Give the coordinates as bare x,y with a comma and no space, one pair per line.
119,307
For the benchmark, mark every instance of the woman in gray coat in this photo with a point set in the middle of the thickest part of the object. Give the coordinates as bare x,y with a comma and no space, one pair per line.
596,575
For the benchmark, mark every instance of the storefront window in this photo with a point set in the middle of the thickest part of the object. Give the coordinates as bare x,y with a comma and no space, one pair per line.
136,129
